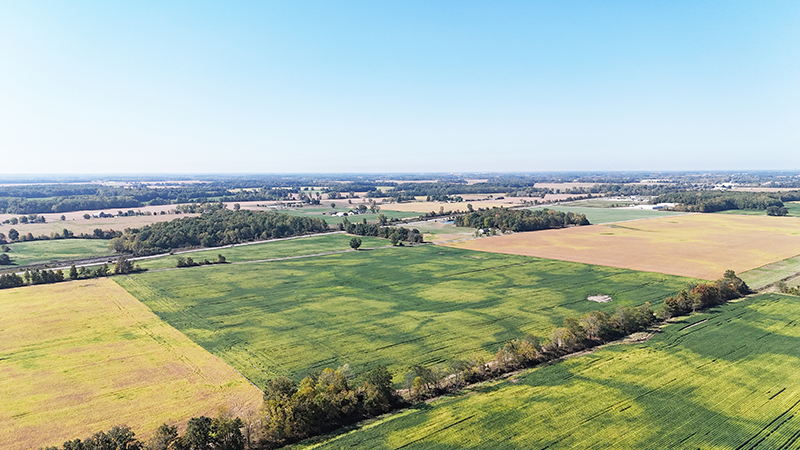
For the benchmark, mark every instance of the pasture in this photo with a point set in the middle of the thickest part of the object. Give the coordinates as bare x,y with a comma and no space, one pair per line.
82,356
33,252
283,248
724,379
395,306
695,245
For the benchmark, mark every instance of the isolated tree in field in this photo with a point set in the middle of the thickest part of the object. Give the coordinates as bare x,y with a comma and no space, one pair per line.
355,243
333,205
13,234
237,206
221,259
87,216
4,259
63,217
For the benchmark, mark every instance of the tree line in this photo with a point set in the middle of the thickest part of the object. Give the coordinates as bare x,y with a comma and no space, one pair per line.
97,233
711,201
519,219
394,234
202,433
221,227
35,276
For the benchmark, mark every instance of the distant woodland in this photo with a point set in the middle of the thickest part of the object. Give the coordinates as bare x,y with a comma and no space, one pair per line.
222,227
520,219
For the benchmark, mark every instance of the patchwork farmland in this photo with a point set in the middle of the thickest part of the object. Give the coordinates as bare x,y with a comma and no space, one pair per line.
695,245
83,356
724,379
392,306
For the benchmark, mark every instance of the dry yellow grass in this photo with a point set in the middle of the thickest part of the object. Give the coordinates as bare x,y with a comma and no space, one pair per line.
695,245
83,356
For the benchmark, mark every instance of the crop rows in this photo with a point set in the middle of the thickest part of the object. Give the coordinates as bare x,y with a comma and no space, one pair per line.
728,382
392,306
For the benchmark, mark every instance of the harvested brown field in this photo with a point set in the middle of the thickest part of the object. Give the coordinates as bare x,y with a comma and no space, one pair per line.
425,207
82,356
694,245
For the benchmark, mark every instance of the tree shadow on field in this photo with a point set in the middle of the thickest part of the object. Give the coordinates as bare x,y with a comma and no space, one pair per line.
732,333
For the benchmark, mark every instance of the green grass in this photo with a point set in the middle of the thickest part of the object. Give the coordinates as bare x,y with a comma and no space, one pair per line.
270,250
607,215
770,273
333,220
793,207
729,382
33,252
395,306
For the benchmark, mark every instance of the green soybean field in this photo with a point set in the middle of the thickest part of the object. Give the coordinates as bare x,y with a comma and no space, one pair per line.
394,306
727,378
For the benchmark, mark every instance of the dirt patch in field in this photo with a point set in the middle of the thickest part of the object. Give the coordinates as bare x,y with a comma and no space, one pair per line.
599,298
695,245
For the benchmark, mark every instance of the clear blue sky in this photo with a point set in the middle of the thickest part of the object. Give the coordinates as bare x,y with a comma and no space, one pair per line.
403,86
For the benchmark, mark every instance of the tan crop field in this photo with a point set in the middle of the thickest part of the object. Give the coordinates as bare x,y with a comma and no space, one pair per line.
425,207
694,245
75,222
83,356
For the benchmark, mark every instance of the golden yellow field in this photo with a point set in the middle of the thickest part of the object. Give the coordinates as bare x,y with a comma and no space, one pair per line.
694,245
82,356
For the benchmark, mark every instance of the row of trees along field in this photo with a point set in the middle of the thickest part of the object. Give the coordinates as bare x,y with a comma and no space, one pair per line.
520,219
36,276
16,236
394,234
202,433
324,401
221,227
711,201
